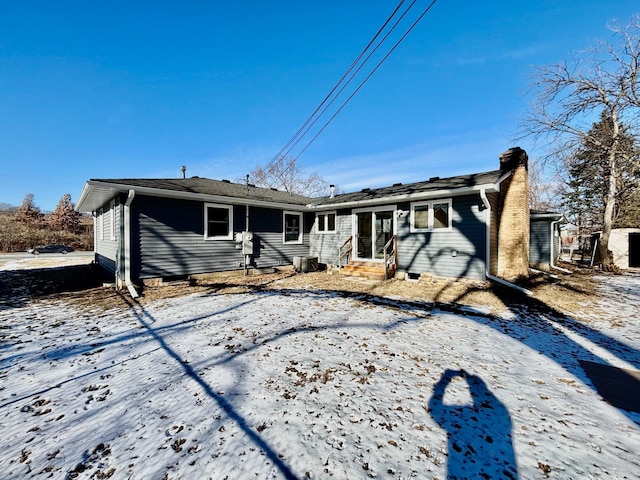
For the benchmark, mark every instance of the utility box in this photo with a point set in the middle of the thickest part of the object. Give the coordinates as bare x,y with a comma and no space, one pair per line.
305,264
244,242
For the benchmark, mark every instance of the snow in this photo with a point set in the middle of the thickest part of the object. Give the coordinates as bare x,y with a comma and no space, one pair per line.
304,384
13,262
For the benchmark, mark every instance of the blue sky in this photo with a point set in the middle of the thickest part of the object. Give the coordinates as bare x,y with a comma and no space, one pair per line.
137,89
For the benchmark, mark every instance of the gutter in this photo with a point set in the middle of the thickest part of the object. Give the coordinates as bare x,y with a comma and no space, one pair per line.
159,192
127,244
487,226
450,192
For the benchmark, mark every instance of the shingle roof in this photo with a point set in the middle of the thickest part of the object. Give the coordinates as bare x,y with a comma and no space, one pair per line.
206,186
99,191
398,189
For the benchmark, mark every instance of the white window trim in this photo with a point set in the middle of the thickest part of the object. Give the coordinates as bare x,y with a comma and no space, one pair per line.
299,241
206,221
326,222
430,228
112,220
101,224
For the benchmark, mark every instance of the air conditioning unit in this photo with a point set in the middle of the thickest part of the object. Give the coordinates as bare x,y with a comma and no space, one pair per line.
305,264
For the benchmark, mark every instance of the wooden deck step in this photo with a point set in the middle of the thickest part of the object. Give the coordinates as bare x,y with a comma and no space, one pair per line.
371,270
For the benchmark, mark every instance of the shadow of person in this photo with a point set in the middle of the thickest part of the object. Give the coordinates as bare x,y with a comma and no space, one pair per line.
479,432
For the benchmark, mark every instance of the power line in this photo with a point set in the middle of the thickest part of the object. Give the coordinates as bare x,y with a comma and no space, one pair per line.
367,77
299,133
341,85
335,97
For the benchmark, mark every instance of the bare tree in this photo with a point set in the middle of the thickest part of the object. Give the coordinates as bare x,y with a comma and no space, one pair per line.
543,192
286,174
569,98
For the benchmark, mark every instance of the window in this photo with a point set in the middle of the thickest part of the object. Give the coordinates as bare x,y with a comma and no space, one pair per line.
441,215
292,227
112,220
420,217
100,222
430,216
326,222
218,222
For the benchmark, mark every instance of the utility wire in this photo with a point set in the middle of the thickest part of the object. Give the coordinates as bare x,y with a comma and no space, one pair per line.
299,135
368,77
315,116
335,97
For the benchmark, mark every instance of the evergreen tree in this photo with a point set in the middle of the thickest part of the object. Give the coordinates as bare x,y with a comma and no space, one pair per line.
590,171
65,217
29,213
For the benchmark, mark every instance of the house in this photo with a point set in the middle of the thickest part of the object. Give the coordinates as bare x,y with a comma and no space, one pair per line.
473,226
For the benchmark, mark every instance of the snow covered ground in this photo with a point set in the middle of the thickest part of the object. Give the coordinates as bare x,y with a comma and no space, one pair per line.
303,384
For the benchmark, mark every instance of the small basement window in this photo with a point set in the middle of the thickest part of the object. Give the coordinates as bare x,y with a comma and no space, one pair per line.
292,227
326,222
218,222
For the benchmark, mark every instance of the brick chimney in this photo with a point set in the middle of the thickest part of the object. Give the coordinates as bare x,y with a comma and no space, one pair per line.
513,216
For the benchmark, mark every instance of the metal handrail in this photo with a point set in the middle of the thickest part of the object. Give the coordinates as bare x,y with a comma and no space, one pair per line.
342,254
393,254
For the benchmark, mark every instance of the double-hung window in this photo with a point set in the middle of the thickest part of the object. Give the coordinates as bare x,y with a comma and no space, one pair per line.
218,222
326,222
292,232
431,216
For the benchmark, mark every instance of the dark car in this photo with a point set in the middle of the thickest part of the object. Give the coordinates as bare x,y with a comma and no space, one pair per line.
54,248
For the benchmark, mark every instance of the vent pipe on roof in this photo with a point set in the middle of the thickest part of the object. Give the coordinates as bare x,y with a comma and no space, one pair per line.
183,168
332,190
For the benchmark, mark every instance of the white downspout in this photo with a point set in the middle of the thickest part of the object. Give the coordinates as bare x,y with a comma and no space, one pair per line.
487,226
247,258
552,260
127,244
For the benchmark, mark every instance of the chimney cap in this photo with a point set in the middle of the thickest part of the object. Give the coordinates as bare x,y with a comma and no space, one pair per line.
512,158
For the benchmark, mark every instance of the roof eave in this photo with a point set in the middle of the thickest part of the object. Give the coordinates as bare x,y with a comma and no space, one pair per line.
548,215
448,192
117,188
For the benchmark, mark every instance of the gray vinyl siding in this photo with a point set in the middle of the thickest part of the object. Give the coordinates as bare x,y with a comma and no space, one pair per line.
325,245
540,243
105,247
431,252
267,225
169,239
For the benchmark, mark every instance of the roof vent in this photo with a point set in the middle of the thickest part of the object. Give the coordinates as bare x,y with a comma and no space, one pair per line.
195,176
226,181
433,179
365,190
274,189
397,184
